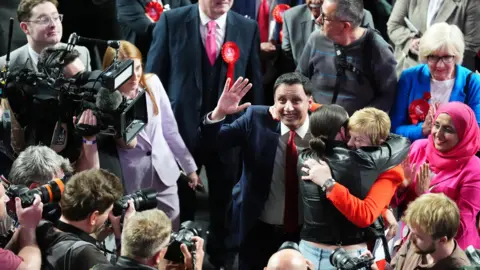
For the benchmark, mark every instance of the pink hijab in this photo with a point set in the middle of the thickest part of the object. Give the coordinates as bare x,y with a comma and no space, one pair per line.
466,125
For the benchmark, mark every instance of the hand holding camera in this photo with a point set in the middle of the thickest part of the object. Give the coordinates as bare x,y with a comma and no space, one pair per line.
116,220
29,217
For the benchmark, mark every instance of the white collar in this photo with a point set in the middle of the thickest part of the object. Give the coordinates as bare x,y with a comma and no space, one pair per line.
301,131
221,21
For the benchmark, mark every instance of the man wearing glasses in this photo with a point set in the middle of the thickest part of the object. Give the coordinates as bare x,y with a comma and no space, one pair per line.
348,65
42,24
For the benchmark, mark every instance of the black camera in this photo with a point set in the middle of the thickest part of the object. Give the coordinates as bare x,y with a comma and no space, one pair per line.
143,199
343,261
188,229
289,245
50,194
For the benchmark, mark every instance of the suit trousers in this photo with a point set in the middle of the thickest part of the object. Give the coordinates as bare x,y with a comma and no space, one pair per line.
223,172
261,243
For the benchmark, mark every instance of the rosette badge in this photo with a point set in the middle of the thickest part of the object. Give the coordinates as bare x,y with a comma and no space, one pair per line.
230,54
277,14
153,10
418,109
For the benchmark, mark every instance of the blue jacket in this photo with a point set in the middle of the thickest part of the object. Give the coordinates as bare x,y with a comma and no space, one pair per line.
411,86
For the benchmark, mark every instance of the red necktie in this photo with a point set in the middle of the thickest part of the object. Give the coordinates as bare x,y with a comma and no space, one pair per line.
290,217
263,20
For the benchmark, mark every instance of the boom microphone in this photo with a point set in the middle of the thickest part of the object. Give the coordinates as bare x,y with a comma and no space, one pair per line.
74,38
107,100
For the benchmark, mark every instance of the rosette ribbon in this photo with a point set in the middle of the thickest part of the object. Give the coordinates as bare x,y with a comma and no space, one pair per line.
418,109
278,15
153,10
230,54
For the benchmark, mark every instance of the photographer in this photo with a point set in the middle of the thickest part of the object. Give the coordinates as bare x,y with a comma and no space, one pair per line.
288,257
86,205
29,256
433,220
145,239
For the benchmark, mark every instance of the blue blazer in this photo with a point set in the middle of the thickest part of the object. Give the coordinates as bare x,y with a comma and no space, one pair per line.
175,56
411,86
249,8
257,133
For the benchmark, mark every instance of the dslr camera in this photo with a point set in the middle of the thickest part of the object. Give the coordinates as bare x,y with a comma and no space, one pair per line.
143,199
188,229
343,261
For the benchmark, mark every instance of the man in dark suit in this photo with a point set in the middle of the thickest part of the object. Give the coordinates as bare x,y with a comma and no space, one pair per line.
136,26
186,55
265,212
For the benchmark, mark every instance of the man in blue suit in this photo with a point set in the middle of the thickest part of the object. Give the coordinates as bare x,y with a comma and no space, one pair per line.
186,55
136,26
264,216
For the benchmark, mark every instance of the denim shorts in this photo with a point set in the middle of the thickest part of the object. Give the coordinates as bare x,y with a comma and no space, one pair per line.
321,257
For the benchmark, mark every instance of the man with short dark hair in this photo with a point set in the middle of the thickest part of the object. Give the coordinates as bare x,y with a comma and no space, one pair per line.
349,65
86,205
42,24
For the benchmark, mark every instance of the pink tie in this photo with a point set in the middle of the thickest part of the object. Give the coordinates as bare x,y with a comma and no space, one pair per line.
211,42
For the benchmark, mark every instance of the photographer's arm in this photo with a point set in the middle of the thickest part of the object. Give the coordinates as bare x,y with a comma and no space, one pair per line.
17,132
89,155
29,219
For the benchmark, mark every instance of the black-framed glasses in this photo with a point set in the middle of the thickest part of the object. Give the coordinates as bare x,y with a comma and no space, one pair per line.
324,18
46,20
446,59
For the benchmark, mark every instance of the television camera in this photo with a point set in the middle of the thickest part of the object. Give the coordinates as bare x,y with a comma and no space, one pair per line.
43,98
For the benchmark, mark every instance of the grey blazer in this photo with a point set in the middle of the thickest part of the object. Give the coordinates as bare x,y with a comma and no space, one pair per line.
19,57
462,13
298,24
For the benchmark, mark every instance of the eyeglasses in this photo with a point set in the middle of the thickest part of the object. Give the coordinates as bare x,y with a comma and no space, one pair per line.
46,20
446,59
324,18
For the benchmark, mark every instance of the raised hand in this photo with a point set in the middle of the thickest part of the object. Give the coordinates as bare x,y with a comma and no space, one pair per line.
229,101
409,173
424,177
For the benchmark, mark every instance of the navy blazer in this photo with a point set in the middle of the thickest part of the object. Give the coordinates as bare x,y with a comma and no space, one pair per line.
136,27
257,133
175,56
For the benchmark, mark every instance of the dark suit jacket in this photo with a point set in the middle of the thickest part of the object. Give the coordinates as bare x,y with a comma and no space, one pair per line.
257,134
175,56
136,27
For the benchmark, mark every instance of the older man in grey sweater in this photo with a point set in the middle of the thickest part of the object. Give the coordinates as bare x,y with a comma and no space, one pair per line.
349,65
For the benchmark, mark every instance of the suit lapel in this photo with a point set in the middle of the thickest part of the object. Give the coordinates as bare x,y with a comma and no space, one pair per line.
232,34
307,25
446,9
423,10
192,24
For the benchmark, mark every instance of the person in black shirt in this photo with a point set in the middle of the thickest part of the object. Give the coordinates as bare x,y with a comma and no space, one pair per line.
145,240
86,206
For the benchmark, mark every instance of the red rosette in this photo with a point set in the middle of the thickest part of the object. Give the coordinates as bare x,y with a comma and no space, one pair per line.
153,10
230,54
278,12
418,109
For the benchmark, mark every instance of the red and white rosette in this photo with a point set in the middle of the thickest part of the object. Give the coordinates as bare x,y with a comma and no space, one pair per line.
418,109
278,11
230,54
153,10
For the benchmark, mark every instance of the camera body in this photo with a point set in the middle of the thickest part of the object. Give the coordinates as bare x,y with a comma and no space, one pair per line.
188,229
343,261
143,199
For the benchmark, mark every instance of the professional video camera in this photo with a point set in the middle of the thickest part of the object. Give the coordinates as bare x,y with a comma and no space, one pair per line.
341,260
48,96
50,194
143,199
188,229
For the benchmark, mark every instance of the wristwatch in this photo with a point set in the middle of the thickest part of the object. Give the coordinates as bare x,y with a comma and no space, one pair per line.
328,184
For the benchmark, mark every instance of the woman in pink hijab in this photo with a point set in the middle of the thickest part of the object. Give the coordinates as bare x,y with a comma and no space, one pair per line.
446,163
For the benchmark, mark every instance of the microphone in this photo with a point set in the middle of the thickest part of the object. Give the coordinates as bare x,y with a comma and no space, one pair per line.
110,43
107,100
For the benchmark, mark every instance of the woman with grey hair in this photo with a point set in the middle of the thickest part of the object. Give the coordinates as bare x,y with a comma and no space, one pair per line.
440,79
422,14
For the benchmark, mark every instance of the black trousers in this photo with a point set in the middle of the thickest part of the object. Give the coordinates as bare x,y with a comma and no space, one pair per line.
223,171
261,243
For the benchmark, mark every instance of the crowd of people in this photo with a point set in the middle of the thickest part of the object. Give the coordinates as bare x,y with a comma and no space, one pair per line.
332,133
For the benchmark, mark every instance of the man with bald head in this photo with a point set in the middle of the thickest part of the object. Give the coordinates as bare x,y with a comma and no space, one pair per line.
288,259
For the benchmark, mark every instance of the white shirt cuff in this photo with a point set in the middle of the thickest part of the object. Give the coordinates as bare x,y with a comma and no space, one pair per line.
208,121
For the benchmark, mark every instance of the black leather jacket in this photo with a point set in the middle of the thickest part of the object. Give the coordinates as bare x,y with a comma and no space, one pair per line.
357,171
123,263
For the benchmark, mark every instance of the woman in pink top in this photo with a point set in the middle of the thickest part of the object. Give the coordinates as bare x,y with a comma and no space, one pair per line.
446,163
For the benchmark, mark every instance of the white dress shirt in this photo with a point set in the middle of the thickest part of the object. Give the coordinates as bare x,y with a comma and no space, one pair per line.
433,8
221,29
275,205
